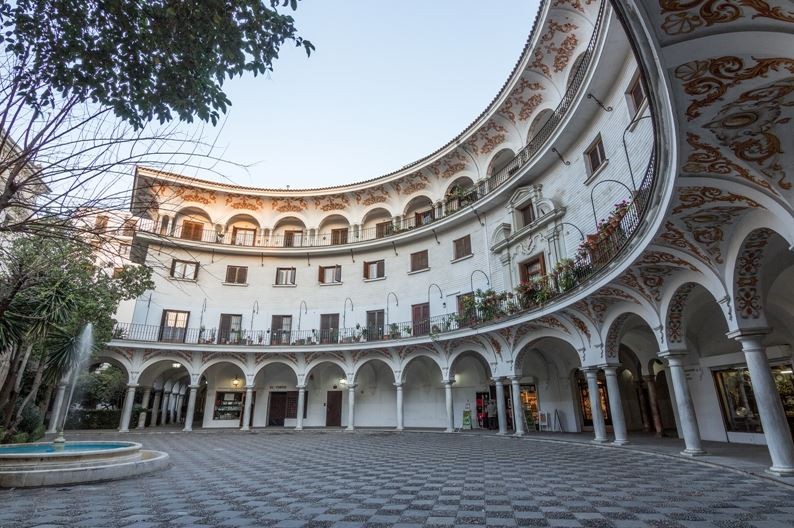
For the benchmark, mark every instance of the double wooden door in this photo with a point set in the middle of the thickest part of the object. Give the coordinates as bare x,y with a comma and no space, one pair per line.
333,409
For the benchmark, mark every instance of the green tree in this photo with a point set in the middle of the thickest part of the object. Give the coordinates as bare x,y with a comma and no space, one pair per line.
145,60
57,291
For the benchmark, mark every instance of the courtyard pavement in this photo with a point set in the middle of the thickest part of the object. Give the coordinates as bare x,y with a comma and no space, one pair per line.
372,479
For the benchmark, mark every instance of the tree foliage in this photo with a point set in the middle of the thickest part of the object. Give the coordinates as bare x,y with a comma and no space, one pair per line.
144,59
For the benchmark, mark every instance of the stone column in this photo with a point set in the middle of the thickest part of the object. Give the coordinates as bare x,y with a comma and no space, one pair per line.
518,409
599,426
179,400
770,408
126,411
145,404
156,407
399,387
301,405
501,412
164,408
616,405
172,407
643,404
653,403
351,407
55,415
191,408
686,410
450,413
249,396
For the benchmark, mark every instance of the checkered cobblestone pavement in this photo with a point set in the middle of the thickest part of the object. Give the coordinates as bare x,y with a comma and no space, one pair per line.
378,479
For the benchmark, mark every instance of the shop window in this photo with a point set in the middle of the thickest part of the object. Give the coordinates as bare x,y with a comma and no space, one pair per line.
461,247
419,261
737,398
330,274
192,230
532,269
237,274
228,406
595,156
636,94
184,269
285,276
374,269
584,399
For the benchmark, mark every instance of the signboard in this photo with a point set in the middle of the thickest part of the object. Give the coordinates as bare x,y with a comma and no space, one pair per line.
466,419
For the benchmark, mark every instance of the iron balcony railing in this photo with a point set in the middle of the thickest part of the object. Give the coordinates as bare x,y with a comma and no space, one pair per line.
456,201
598,251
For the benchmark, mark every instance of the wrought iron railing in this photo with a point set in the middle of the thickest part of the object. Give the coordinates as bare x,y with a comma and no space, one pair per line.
451,204
487,307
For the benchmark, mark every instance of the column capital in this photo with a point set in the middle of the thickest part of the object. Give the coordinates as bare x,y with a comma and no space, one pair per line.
514,379
449,382
667,354
591,370
351,386
300,387
132,386
650,378
193,387
249,388
398,384
748,333
497,379
609,369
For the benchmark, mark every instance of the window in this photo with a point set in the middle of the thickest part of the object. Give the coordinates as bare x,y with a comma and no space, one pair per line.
184,269
531,269
739,406
375,325
292,404
101,223
461,247
281,327
338,236
173,326
128,227
237,274
424,217
192,230
228,406
330,275
383,229
466,309
419,261
420,317
230,329
243,236
117,272
595,155
292,238
374,269
329,328
124,249
636,94
285,276
527,214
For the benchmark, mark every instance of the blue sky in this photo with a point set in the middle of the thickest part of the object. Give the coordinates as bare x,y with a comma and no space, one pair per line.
390,82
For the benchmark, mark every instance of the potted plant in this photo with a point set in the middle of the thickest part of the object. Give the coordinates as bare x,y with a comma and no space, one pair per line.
394,331
564,273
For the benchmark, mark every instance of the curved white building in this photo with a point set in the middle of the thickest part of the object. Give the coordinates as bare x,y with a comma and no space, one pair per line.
623,203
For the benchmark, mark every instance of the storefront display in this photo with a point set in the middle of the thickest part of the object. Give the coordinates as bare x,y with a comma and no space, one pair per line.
737,398
529,404
228,406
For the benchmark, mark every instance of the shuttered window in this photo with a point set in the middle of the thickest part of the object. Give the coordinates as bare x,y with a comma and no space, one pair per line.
192,230
330,274
374,269
527,213
419,260
237,274
383,229
285,276
461,247
533,268
184,269
595,155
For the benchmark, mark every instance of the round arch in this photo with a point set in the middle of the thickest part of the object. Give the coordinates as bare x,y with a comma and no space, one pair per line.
368,361
499,161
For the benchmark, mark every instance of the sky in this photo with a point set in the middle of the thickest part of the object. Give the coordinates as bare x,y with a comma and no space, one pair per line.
389,82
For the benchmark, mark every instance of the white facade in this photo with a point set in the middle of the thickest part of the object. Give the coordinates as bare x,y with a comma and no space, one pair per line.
686,289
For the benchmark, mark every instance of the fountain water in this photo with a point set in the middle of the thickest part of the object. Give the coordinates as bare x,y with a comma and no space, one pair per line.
61,462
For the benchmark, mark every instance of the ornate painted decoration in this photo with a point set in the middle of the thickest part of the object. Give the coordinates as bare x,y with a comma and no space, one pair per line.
675,329
613,336
289,205
372,195
240,201
524,99
449,165
411,183
332,202
685,16
487,138
748,269
691,197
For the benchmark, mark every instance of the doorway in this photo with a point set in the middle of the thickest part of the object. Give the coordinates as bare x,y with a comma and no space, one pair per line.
333,409
277,410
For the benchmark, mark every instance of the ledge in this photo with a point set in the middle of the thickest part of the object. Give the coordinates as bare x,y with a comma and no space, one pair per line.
235,284
419,271
182,280
453,261
598,171
376,279
330,283
285,285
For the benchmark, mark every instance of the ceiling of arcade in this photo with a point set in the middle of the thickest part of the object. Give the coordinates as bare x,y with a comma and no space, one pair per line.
537,83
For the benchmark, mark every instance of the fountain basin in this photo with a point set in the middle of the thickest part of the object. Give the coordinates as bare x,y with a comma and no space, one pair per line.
41,464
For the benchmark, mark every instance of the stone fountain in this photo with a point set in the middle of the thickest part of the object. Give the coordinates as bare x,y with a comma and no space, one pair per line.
61,462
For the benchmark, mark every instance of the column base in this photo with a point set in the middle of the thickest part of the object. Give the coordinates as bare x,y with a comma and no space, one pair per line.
449,430
693,452
298,428
245,428
124,430
399,428
187,429
778,471
598,440
518,433
502,433
620,442
351,429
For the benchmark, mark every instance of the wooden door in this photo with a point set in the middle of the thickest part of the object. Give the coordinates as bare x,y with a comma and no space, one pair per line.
277,410
421,318
329,328
333,409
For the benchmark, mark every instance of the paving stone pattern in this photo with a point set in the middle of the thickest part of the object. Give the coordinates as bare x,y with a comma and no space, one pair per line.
369,479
